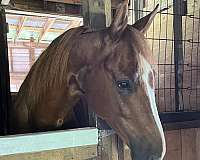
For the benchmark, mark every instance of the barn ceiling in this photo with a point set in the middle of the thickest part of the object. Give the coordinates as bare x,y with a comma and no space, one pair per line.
38,29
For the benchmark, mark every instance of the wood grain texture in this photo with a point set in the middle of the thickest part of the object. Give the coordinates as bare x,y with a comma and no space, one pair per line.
173,140
189,151
78,153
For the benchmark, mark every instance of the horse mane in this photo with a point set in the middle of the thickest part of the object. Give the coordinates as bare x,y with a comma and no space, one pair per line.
50,70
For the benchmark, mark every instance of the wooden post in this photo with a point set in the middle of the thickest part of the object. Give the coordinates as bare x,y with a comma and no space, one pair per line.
97,16
4,74
96,13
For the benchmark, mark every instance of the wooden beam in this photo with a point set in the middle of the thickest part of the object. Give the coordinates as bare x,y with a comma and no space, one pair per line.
27,45
78,2
5,2
31,56
66,1
36,29
73,24
48,7
47,26
20,27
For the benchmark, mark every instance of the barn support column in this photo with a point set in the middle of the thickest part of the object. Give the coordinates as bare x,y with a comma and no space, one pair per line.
4,74
97,15
178,53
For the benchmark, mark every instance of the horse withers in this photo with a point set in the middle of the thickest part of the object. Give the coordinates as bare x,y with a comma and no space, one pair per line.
110,70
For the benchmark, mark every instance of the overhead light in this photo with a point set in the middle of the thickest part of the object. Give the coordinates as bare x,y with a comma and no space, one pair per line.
5,2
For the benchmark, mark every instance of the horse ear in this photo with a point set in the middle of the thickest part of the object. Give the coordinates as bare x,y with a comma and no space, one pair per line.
144,23
120,20
74,87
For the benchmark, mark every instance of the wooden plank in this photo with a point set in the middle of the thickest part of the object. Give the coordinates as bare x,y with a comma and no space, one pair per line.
189,151
173,141
47,141
114,147
198,143
78,2
66,1
120,148
31,56
77,153
26,45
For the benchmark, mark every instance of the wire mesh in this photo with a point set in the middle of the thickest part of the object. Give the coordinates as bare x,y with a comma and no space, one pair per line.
161,39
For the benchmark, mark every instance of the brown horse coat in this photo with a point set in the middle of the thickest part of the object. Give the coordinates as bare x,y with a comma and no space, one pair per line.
111,70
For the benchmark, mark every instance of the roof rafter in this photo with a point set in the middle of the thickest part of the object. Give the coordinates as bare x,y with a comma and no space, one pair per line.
20,27
47,26
73,24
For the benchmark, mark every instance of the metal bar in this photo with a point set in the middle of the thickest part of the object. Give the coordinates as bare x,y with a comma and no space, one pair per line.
4,74
178,53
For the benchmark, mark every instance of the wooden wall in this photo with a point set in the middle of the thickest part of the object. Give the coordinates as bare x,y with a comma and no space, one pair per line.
183,144
78,153
160,37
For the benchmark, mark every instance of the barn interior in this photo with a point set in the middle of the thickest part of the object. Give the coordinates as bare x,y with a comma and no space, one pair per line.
27,28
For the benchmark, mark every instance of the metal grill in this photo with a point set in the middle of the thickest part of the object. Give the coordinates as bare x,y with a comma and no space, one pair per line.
174,39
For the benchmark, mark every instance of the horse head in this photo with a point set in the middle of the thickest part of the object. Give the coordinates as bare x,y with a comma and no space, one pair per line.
113,68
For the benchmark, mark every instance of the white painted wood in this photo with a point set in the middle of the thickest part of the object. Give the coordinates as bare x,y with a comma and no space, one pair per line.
48,141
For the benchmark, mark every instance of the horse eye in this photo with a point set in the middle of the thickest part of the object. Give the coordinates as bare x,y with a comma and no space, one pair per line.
124,84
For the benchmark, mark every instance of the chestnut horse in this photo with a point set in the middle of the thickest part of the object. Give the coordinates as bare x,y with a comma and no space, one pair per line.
111,69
